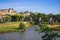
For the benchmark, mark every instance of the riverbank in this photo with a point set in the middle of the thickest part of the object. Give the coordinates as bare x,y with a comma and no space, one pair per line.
11,26
51,26
54,27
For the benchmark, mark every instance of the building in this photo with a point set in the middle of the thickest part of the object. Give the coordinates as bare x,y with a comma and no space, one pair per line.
10,11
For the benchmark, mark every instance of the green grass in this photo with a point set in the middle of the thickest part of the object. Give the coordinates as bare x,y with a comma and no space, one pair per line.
10,27
57,28
9,24
57,23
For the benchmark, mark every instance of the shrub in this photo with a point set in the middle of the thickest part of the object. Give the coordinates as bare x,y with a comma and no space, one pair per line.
1,21
31,22
22,26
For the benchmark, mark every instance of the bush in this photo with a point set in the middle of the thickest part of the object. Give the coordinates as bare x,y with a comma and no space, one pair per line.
1,21
31,22
22,26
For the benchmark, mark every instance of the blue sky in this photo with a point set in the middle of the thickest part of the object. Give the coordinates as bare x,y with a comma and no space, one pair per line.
43,6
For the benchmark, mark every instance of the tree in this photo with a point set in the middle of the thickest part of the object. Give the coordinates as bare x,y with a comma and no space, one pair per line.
21,18
8,18
27,18
57,17
15,17
51,16
21,27
39,18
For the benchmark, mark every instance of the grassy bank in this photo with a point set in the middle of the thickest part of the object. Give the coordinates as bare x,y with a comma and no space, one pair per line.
55,27
11,26
8,27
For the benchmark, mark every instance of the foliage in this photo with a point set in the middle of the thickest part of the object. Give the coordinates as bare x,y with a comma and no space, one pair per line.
1,21
50,15
49,34
14,17
57,16
32,22
8,18
27,18
57,28
17,17
20,17
21,26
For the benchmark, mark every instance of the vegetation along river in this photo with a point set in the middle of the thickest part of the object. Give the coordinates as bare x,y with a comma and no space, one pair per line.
29,34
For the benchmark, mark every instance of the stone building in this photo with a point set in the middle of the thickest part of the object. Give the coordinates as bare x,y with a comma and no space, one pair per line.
4,12
10,11
25,13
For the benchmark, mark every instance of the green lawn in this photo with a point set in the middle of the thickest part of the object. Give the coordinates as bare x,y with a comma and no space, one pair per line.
11,26
8,27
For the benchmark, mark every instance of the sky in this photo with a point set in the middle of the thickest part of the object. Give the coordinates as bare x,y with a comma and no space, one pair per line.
42,6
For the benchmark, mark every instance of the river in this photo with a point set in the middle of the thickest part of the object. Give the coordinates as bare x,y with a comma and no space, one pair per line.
29,34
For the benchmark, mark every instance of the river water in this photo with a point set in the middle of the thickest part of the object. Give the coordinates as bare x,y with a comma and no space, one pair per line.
29,34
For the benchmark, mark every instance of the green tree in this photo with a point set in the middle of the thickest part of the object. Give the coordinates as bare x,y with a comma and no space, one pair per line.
15,17
27,18
51,16
57,17
21,27
8,18
21,18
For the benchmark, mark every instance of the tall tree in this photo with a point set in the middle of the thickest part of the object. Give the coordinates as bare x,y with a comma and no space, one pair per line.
51,16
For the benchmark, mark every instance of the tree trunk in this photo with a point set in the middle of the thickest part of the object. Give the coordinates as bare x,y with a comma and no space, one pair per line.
40,20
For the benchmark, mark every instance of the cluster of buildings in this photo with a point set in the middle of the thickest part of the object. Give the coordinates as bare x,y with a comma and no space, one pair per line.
11,11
